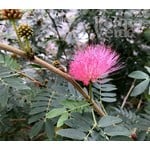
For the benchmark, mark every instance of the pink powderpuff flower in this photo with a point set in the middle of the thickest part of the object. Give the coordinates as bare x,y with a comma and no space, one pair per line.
93,62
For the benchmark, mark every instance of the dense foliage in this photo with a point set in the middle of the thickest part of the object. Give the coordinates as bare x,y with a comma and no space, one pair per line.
37,104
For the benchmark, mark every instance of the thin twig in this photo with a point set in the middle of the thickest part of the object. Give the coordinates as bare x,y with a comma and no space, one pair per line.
94,118
56,28
18,120
139,104
54,24
18,37
30,78
57,71
126,97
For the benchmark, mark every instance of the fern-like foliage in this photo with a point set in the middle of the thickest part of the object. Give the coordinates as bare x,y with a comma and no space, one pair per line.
78,126
40,105
144,85
82,126
48,110
8,61
129,118
69,106
9,78
133,120
144,120
13,107
103,90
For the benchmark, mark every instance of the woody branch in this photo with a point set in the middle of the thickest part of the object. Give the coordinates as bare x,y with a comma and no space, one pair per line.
50,67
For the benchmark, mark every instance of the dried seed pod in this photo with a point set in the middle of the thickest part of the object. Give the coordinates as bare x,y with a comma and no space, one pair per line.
10,14
57,64
25,31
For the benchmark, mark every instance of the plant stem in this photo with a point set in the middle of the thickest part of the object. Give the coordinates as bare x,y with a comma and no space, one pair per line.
30,78
18,120
126,97
139,104
27,48
57,71
49,104
90,90
94,119
93,127
27,43
101,104
89,132
103,108
18,37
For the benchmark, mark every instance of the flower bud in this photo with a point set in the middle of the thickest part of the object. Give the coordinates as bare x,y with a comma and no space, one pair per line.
25,31
10,14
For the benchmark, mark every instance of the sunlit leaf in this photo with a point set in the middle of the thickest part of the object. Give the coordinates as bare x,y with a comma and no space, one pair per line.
62,119
55,112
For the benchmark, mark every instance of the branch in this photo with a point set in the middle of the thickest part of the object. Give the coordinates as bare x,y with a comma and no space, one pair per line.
57,71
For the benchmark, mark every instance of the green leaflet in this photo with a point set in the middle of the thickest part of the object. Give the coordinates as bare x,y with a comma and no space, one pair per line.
147,68
8,61
36,128
16,83
37,110
117,130
36,117
120,138
108,121
140,88
138,75
55,112
49,129
72,133
62,119
74,105
3,95
108,99
104,91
